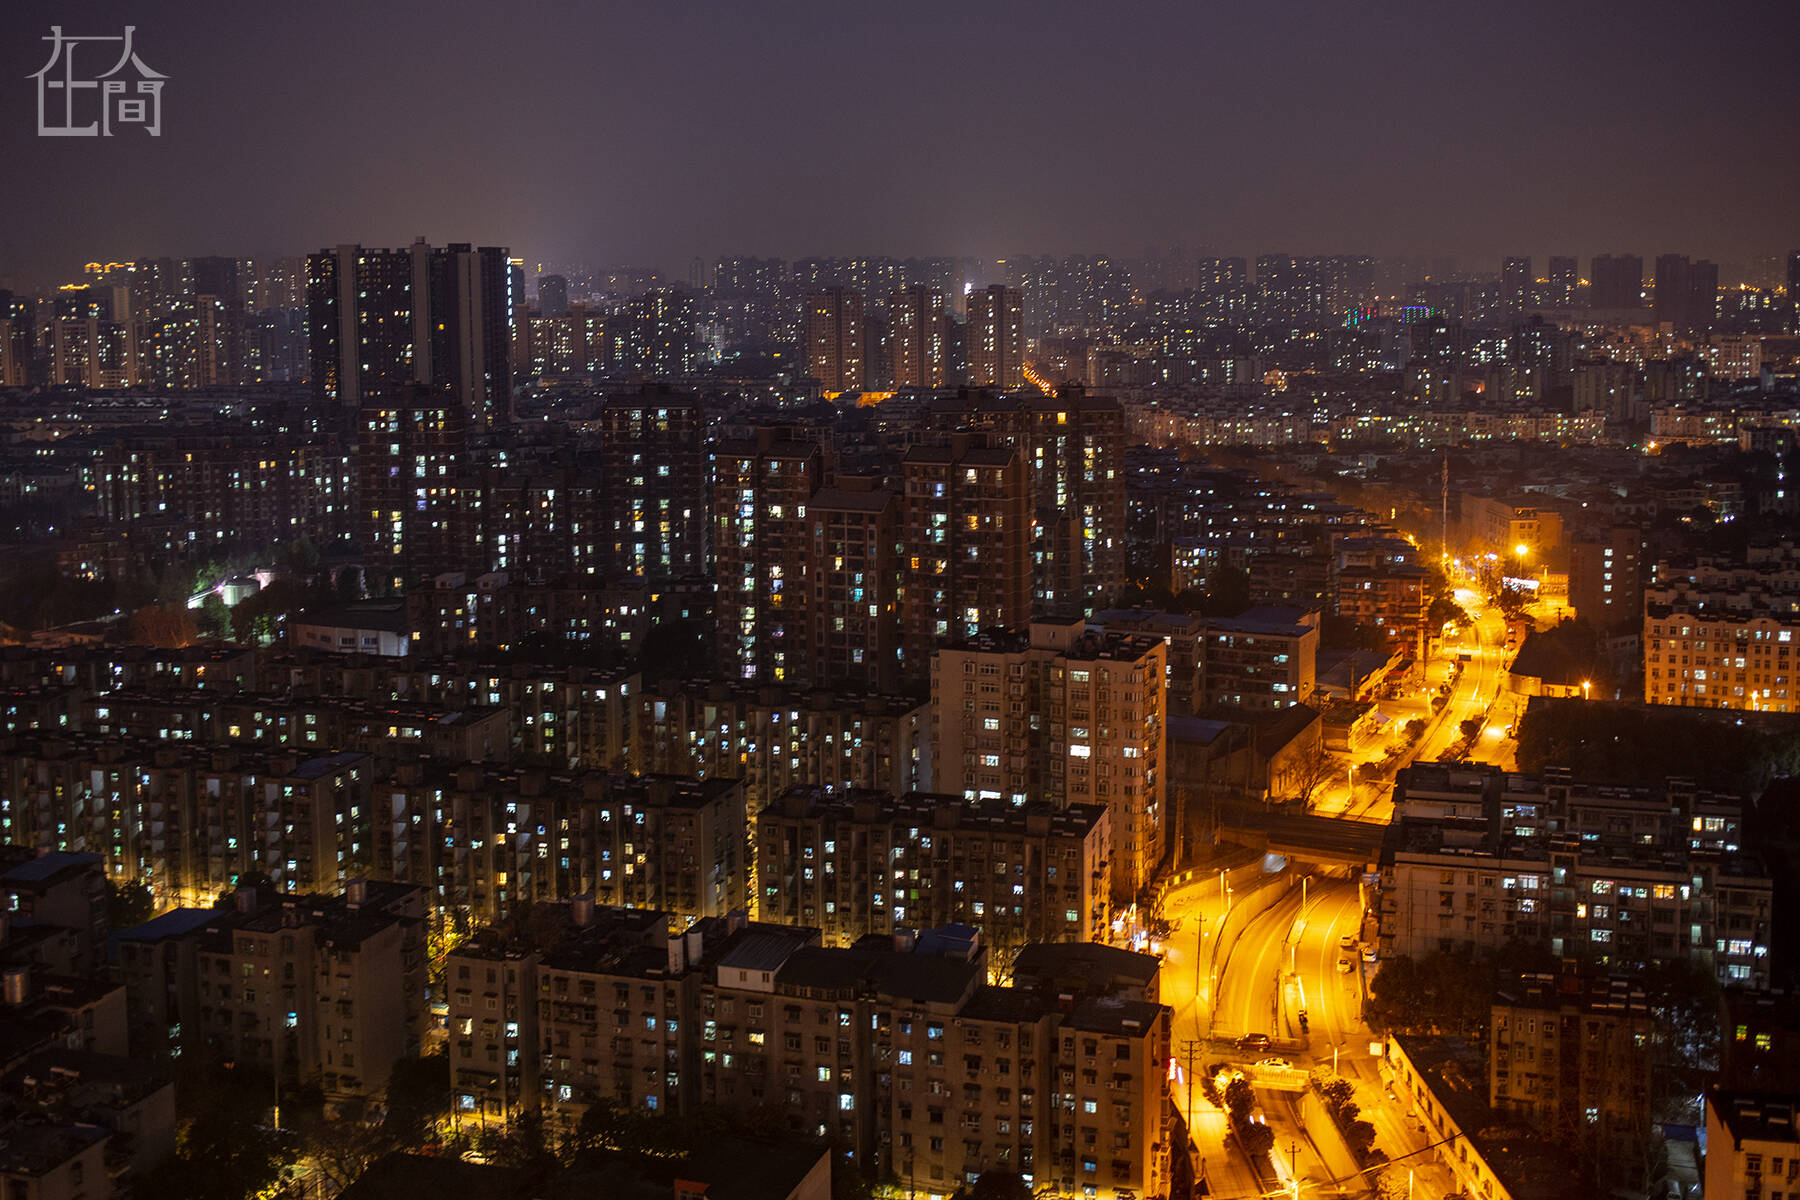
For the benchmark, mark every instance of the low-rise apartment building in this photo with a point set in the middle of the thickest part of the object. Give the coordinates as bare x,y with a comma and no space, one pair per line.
859,862
1614,876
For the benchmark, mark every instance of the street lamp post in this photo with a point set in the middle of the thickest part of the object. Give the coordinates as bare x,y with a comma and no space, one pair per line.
1587,686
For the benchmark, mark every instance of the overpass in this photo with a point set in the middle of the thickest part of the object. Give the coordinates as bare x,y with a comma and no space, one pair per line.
1328,841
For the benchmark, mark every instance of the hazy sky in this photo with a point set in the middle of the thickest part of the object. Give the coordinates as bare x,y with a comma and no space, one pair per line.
649,133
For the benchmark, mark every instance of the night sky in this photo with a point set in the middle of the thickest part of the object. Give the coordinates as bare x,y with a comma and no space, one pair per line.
649,133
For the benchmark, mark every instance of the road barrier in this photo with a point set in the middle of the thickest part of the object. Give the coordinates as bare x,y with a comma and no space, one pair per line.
1244,909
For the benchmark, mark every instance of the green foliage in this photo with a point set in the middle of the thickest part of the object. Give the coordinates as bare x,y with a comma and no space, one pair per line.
418,1094
1343,633
1443,992
129,903
1646,744
1240,1100
1146,595
215,618
1256,1138
222,1149
996,1184
1444,611
1337,1092
523,1144
39,597
1227,593
1510,600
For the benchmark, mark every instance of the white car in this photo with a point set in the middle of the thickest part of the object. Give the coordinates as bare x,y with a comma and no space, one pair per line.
1344,966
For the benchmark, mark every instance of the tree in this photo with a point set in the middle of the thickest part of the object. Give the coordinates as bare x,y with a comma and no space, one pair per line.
1647,744
1361,1137
1510,600
222,1149
164,626
1443,992
340,1151
1446,611
1240,1100
130,903
1470,728
1227,593
998,1185
418,1095
215,618
523,1144
1315,767
1336,1091
1343,633
1257,1138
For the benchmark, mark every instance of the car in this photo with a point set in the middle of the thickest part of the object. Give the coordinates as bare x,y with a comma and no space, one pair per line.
1369,955
1276,1064
1344,966
1254,1041
1346,943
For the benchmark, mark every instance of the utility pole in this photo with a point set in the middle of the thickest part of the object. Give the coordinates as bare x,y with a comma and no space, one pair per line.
1444,507
1190,1047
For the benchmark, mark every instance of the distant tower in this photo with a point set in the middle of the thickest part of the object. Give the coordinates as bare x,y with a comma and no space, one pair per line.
553,296
995,336
917,332
834,339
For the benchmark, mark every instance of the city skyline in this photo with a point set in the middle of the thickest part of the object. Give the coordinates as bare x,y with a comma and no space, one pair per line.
1410,131
985,602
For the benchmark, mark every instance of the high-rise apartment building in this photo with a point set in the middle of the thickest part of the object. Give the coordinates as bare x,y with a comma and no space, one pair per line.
1687,293
553,295
218,279
834,339
918,337
1565,280
654,335
1221,290
379,319
762,541
854,578
995,338
966,545
1061,712
413,450
1073,446
654,480
1516,285
1605,579
1616,281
